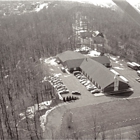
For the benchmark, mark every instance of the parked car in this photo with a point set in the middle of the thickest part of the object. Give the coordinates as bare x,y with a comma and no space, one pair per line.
54,81
63,69
61,91
76,72
87,83
78,75
60,86
58,82
57,61
83,78
90,85
95,91
76,93
64,91
91,88
138,79
83,82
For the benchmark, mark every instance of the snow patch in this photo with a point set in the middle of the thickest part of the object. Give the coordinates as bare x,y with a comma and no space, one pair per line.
94,53
44,117
6,76
21,114
41,60
113,58
51,61
57,75
41,6
30,112
45,79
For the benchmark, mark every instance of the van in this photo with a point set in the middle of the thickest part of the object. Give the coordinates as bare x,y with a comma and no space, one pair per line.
63,69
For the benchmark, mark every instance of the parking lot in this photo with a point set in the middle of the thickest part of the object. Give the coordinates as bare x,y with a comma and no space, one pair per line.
88,99
73,84
121,67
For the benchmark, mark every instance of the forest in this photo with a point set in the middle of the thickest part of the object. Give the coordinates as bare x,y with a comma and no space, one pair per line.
26,38
122,33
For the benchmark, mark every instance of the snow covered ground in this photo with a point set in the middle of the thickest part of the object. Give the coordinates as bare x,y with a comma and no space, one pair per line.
41,6
51,61
44,117
113,58
32,109
57,75
94,53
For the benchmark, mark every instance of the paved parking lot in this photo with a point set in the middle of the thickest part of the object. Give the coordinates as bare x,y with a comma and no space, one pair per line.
73,84
86,98
130,74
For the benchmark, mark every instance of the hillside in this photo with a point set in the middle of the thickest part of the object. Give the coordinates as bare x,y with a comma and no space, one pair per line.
31,32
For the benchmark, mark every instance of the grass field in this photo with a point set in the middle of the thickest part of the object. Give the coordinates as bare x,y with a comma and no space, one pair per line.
109,116
79,119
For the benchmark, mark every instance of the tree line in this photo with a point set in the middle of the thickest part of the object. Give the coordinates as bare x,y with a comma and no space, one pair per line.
24,40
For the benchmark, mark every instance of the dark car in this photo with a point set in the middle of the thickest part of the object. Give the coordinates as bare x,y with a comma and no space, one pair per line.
76,72
57,61
76,93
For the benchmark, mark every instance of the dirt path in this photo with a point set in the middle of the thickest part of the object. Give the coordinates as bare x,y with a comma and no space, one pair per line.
54,121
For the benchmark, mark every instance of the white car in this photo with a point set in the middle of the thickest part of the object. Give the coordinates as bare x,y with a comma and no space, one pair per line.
83,82
138,79
63,69
79,76
95,91
61,91
83,79
87,83
91,88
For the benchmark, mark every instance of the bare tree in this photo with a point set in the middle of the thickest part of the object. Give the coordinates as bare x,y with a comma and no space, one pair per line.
103,131
136,135
96,129
116,134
